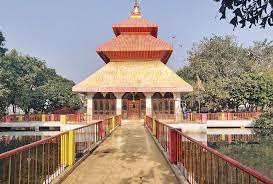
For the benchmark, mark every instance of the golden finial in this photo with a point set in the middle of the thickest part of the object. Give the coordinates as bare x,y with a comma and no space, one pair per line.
136,12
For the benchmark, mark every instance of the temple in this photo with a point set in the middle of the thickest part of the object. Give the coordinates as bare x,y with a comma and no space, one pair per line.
135,80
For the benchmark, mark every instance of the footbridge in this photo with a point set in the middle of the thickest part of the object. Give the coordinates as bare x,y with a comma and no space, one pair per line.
115,151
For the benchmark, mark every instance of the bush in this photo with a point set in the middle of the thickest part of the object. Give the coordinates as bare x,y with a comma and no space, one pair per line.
264,125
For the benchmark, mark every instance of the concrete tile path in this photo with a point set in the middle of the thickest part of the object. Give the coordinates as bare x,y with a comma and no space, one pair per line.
129,155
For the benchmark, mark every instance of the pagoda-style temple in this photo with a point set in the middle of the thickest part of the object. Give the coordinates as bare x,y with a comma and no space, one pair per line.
135,80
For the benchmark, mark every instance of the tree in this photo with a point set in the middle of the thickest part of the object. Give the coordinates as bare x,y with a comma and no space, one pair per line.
252,12
2,43
3,90
264,125
231,74
254,89
3,101
58,94
34,86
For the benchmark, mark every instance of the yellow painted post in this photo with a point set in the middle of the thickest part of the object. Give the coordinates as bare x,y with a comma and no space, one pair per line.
64,149
20,118
154,127
63,119
223,137
71,148
43,118
223,116
113,122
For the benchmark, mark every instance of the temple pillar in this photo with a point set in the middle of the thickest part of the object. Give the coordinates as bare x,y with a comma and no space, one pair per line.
177,106
119,103
148,104
90,104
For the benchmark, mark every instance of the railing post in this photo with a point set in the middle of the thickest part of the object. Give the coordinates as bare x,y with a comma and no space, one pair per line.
78,117
223,116
173,146
63,119
154,127
64,149
43,118
7,118
204,118
113,123
101,129
20,119
71,148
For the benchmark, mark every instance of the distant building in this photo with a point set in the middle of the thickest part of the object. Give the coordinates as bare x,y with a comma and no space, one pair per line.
135,80
18,110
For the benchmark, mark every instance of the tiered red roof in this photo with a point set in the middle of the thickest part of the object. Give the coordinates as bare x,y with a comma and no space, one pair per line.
135,46
134,25
136,59
135,38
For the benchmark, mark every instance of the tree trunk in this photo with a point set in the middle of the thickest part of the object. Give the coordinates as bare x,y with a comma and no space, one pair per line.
13,108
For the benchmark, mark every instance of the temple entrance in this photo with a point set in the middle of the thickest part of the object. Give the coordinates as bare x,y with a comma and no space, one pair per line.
133,106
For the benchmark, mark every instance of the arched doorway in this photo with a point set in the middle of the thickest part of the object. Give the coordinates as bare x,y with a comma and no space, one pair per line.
133,106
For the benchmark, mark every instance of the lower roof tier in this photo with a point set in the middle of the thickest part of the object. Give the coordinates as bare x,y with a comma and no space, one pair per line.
141,76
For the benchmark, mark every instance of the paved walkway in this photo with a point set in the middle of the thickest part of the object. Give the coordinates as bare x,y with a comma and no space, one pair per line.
129,155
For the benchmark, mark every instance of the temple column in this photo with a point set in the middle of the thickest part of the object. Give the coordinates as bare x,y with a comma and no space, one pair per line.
90,104
119,103
177,106
148,104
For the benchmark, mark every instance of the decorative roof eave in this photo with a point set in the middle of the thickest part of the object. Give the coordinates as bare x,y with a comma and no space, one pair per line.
108,56
151,30
132,89
135,25
145,76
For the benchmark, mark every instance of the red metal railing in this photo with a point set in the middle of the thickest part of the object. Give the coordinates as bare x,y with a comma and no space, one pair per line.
44,160
233,116
232,138
198,162
75,118
202,117
181,118
171,118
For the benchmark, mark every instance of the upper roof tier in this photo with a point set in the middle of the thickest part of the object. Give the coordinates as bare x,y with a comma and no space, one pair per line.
133,25
136,39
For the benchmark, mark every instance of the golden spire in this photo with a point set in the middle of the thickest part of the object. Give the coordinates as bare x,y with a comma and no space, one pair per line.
136,12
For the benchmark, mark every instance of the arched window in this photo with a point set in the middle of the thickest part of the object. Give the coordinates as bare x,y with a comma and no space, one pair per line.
97,105
163,106
142,98
110,104
104,107
168,95
157,103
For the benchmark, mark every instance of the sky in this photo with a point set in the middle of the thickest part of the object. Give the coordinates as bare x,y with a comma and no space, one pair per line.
65,33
